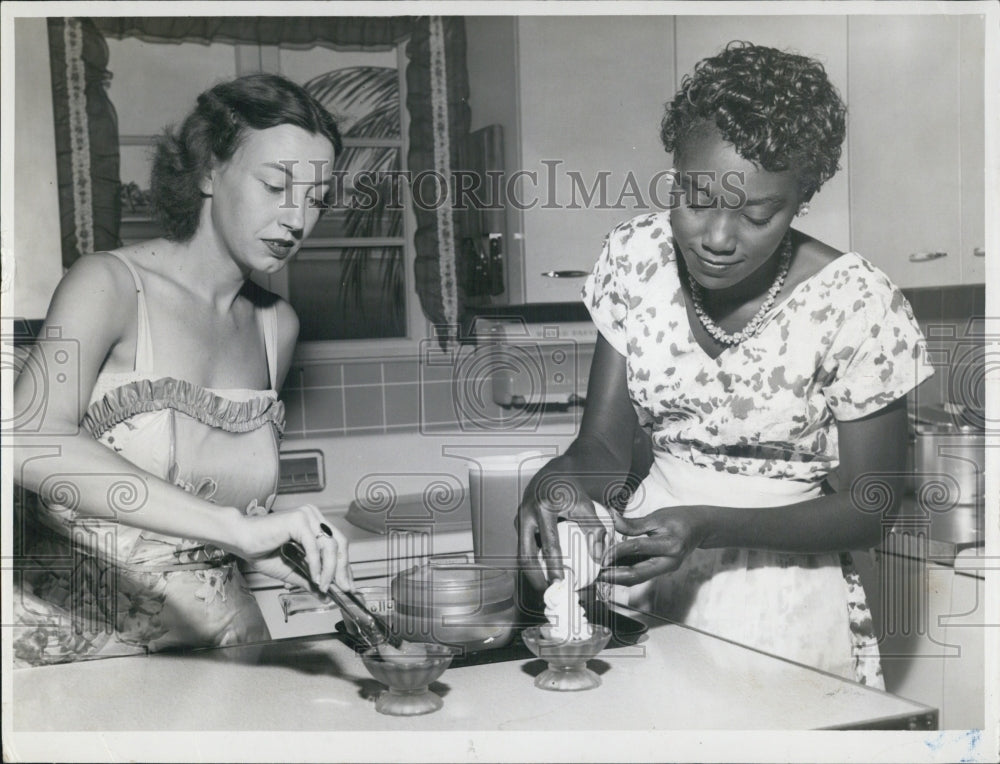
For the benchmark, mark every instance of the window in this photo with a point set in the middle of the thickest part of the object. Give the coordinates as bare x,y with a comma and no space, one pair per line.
350,283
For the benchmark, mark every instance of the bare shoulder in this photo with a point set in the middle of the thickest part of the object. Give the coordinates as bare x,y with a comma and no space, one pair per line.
94,303
95,279
810,257
288,323
288,320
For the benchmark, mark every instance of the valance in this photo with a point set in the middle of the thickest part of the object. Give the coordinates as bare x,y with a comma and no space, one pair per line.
437,99
305,31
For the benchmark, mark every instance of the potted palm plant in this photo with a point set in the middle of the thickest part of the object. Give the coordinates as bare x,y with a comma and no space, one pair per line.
367,99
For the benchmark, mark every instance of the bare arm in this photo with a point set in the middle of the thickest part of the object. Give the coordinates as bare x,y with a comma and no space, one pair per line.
288,335
594,465
872,460
88,311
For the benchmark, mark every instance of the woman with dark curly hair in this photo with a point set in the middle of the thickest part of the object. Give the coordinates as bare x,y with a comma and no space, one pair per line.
745,366
180,360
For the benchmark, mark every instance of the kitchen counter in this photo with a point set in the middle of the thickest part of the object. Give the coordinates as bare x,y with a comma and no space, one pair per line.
676,678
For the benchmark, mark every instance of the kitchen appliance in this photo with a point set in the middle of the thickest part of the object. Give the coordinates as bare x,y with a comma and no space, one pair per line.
949,460
468,606
482,215
537,354
399,498
496,485
368,625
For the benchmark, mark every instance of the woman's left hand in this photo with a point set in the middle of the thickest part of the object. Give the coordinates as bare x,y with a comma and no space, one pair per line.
661,540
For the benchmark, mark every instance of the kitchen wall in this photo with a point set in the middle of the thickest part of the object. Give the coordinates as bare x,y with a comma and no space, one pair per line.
354,396
357,397
952,319
31,215
365,396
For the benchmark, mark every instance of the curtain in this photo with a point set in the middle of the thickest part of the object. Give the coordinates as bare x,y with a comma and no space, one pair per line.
86,127
437,99
301,31
437,85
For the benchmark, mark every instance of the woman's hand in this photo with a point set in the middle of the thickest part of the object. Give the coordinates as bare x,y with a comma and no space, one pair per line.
551,495
661,539
259,539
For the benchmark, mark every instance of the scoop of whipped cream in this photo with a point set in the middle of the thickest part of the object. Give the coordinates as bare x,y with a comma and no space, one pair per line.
564,612
574,543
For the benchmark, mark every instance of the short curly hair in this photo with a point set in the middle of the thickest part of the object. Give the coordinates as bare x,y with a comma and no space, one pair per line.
778,109
214,130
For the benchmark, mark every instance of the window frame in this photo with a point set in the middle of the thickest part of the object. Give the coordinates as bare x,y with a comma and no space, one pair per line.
250,59
418,329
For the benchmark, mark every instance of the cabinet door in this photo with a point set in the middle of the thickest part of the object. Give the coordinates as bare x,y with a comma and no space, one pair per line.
907,596
973,130
905,151
591,93
964,703
821,37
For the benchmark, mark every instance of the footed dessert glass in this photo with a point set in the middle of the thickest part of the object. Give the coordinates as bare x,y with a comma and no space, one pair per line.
408,679
567,659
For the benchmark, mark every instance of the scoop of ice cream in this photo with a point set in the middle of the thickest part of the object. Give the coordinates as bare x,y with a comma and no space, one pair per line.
564,612
407,652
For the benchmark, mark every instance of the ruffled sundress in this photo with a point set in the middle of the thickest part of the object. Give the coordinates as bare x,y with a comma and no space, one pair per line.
756,426
92,588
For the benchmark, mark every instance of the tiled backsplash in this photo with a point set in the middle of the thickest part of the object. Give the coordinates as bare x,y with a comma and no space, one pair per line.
353,397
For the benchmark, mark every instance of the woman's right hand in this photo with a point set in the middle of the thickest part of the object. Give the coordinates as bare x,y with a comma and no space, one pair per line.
551,496
259,539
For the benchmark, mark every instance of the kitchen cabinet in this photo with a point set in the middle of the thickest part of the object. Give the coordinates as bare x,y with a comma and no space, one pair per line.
917,147
588,93
972,52
926,613
966,627
912,171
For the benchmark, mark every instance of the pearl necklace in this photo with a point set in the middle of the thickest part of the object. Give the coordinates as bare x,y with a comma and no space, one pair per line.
751,328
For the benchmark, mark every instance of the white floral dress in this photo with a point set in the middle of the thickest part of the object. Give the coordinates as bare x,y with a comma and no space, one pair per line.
756,427
91,588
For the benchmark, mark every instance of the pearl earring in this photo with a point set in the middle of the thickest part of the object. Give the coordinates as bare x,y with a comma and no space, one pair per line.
803,209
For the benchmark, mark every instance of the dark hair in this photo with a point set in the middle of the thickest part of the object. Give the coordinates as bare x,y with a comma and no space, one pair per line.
213,132
778,109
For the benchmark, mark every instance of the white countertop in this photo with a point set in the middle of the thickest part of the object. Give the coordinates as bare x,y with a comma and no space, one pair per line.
677,678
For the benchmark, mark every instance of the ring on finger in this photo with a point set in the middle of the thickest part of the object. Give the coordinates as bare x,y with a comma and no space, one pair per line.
325,531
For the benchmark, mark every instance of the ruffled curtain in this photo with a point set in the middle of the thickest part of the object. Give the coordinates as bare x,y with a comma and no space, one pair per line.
297,31
437,99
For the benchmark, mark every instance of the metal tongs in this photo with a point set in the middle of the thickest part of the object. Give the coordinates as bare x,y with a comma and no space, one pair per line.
372,629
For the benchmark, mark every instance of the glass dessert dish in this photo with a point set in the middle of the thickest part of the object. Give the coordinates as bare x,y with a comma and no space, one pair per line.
408,678
567,659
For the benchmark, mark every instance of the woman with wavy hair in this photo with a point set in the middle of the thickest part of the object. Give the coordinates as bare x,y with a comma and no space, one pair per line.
765,371
178,359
